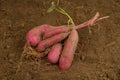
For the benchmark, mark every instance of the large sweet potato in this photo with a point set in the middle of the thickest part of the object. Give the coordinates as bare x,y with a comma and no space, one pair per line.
68,50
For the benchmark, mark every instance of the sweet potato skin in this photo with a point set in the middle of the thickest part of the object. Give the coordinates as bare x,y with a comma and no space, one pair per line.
51,41
34,36
54,54
68,50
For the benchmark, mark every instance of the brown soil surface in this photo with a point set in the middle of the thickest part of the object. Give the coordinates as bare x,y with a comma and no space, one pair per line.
100,58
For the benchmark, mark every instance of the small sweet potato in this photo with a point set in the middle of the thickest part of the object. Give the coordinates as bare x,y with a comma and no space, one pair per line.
54,54
68,50
51,41
55,31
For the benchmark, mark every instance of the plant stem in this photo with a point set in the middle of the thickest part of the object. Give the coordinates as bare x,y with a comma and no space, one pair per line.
62,11
66,14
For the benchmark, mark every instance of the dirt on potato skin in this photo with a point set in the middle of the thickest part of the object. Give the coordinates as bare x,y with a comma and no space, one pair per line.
100,58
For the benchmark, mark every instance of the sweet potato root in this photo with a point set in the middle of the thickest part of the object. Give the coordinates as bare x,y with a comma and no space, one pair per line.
54,54
51,41
68,50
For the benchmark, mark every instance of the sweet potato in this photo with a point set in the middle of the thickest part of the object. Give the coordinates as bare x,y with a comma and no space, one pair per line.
51,41
55,31
34,35
68,50
54,54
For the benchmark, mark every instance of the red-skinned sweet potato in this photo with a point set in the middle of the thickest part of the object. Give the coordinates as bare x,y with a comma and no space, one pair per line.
68,50
51,41
55,31
54,54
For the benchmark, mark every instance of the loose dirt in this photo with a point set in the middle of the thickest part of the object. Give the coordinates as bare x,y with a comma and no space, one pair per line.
99,59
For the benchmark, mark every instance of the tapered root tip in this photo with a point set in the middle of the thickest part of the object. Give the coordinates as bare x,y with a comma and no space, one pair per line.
97,14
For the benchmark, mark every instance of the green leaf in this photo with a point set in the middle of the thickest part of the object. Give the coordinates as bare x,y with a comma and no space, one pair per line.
52,7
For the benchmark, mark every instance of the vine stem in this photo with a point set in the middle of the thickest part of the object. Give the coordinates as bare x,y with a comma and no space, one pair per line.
65,13
62,11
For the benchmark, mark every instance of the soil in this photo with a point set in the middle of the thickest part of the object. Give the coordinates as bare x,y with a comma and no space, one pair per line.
99,59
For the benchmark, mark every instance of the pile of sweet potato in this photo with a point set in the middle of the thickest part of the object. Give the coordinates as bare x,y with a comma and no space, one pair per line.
61,40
